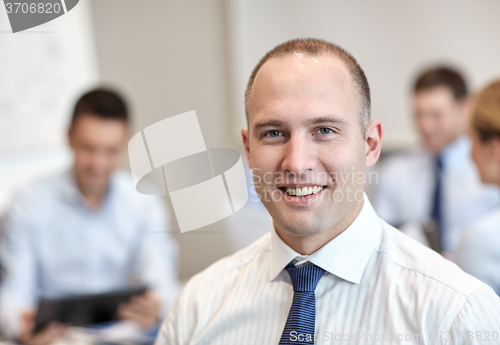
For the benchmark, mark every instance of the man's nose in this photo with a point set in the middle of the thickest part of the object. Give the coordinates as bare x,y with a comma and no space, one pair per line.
300,155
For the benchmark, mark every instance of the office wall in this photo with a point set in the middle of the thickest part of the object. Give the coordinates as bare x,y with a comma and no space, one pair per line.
42,71
169,57
391,39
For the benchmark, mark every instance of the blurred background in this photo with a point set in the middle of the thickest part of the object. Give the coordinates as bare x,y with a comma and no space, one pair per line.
169,57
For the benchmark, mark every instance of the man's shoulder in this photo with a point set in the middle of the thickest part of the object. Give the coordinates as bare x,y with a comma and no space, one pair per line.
485,226
39,189
481,236
126,190
122,180
427,266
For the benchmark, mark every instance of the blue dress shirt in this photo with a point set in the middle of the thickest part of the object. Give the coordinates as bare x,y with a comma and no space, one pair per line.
406,185
479,250
54,246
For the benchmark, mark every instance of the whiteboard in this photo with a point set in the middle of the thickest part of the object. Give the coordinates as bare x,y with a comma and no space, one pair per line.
42,71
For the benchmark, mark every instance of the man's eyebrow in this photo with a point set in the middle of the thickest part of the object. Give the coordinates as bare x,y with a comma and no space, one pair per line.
269,123
325,119
313,121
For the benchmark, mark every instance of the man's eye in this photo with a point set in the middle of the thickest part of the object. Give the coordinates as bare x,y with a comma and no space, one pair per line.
273,133
325,130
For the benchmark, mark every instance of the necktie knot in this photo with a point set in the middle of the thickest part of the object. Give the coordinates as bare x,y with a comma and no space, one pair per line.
304,278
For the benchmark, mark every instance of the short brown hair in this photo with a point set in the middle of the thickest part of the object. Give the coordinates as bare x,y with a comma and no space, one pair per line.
103,103
315,47
442,76
486,112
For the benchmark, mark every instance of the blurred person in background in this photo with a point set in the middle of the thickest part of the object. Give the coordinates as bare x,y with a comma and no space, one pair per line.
438,184
86,230
479,250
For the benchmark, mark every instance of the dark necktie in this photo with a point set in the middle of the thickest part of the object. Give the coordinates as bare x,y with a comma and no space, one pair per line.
436,211
301,319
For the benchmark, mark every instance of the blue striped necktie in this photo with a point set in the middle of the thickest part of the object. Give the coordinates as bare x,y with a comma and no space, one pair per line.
437,199
301,319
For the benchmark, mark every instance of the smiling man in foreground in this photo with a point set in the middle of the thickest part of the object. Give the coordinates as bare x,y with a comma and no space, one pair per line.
330,270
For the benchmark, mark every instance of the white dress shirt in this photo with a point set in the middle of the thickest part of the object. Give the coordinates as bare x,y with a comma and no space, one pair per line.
479,250
378,283
406,185
54,246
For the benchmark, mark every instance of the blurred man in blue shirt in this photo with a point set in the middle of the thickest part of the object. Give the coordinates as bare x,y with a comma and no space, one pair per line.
87,230
439,182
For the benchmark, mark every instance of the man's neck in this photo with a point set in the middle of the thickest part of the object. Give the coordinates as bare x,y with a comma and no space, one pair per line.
307,245
93,200
446,147
92,197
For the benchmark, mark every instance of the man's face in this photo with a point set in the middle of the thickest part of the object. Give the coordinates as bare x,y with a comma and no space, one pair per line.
305,131
97,145
440,118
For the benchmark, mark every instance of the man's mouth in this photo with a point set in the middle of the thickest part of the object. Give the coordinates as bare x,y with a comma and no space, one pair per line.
302,191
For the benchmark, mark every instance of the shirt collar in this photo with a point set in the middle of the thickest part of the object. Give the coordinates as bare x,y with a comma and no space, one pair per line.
456,149
69,186
72,192
346,256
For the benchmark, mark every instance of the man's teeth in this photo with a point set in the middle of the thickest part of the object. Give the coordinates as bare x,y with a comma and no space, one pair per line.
304,191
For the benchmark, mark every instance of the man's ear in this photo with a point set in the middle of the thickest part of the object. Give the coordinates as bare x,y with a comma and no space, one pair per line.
495,148
126,137
245,137
466,105
373,140
70,137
